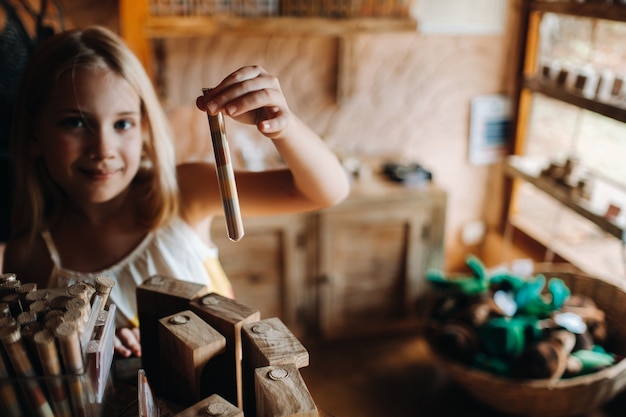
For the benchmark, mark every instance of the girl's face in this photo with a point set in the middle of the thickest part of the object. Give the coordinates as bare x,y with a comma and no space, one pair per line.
89,135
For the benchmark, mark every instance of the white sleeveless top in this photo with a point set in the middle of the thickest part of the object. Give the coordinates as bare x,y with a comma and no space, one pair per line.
173,251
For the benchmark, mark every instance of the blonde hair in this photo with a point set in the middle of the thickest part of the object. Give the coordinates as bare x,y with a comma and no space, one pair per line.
38,201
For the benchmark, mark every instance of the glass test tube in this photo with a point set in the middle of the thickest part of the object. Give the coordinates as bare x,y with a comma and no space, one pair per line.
16,351
225,176
51,365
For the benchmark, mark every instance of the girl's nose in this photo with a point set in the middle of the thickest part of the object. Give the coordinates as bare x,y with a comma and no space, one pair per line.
101,147
98,156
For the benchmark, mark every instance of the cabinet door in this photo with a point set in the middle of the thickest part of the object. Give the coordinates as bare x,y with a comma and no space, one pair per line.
266,267
372,261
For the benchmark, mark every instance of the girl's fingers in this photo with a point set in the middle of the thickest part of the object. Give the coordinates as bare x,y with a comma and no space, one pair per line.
244,90
251,96
127,342
272,121
120,349
223,91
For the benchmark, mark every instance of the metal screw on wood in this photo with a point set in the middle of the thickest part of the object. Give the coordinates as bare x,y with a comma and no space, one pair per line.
157,281
261,328
179,319
209,300
278,374
216,409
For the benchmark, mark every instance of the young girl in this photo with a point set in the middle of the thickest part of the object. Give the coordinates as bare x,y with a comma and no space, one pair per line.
98,192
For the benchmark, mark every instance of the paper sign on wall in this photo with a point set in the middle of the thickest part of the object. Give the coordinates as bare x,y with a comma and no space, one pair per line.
490,128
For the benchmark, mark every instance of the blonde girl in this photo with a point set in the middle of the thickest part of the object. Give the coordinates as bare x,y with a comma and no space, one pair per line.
98,190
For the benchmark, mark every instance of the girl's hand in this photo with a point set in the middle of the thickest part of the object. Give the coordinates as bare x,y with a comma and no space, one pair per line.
250,95
127,342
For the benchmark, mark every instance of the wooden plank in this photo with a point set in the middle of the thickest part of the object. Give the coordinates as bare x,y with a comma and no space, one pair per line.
562,195
211,406
270,342
176,26
157,297
281,392
187,344
559,93
265,343
605,10
228,317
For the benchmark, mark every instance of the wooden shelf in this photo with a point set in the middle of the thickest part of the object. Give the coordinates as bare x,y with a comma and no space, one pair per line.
568,225
515,167
189,26
580,246
594,10
559,93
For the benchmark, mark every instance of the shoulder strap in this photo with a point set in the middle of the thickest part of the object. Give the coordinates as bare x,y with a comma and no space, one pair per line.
52,249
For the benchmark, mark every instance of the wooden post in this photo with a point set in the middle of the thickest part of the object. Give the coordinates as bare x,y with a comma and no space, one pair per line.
270,342
228,317
187,343
266,343
158,297
133,15
281,392
212,406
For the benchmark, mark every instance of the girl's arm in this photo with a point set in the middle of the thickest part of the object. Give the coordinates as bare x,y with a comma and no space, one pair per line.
314,177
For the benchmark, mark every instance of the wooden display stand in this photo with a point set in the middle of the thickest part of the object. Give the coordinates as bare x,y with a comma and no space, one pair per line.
214,347
228,317
193,343
212,406
265,343
281,392
158,297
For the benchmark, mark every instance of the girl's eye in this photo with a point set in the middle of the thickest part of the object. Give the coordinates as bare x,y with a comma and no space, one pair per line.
74,122
124,124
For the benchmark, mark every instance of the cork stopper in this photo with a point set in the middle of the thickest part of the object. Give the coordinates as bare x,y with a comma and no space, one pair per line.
5,309
36,295
74,316
40,307
26,288
104,286
59,303
7,277
76,303
50,314
7,321
10,334
30,329
11,285
26,317
66,330
43,337
82,290
54,322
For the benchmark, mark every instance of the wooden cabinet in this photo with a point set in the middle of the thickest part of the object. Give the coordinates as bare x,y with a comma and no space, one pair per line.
351,269
372,253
